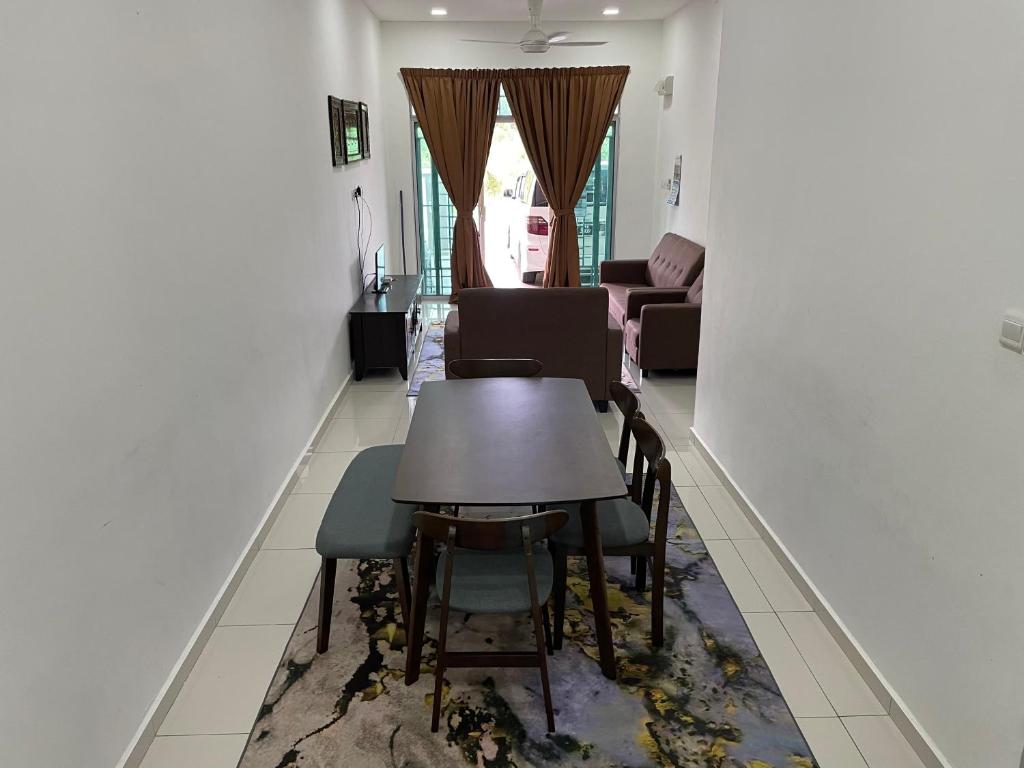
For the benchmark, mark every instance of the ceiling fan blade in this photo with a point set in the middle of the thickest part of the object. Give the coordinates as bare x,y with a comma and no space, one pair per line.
579,45
491,42
558,37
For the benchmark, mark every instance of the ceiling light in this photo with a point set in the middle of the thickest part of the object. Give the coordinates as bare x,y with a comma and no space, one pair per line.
611,11
438,11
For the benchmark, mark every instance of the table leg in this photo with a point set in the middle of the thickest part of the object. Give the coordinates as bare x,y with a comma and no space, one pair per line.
598,587
422,576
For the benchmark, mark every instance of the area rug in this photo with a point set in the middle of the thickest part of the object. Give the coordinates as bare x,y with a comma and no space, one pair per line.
430,365
705,700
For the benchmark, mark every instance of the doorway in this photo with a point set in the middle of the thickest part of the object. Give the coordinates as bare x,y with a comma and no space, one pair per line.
512,214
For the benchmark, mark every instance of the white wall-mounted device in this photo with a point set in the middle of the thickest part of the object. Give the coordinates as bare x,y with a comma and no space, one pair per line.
1011,335
664,86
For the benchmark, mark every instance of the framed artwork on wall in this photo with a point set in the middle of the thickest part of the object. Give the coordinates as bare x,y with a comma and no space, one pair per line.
352,130
334,112
364,128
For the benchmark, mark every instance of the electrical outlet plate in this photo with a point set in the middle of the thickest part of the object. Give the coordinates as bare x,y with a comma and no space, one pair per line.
1011,335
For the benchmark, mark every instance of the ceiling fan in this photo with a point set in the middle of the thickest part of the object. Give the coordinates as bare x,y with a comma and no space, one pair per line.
536,40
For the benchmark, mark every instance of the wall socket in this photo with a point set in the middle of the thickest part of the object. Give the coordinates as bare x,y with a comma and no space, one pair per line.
357,192
1011,335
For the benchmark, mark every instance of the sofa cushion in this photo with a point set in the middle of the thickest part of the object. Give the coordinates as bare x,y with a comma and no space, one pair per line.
675,263
693,296
617,297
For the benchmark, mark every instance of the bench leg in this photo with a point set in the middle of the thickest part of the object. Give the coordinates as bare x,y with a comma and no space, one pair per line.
323,632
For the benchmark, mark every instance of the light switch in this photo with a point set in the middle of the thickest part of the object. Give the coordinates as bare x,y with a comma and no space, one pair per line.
1012,334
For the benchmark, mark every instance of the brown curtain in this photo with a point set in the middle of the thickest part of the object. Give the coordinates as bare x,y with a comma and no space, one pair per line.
456,109
563,116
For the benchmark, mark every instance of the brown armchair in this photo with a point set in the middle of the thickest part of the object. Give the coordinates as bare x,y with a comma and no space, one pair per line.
666,335
568,330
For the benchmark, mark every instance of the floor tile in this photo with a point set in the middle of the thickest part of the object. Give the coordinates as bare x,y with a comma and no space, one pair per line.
227,685
357,434
729,513
830,743
881,743
780,590
382,379
680,474
298,522
322,472
737,578
838,678
795,680
274,589
195,751
697,507
402,431
675,426
697,467
669,399
374,404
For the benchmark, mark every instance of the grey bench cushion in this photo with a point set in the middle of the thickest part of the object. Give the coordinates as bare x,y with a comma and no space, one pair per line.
495,582
362,520
621,522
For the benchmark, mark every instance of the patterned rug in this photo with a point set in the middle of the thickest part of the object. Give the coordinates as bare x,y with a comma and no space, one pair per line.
430,366
705,700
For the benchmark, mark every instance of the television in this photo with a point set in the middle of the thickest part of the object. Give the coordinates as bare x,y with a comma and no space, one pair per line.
381,282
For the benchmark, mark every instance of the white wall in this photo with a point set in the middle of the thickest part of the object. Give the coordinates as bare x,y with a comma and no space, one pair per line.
177,260
691,41
865,238
436,44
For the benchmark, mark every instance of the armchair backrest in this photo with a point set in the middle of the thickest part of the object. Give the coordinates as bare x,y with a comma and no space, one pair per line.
675,263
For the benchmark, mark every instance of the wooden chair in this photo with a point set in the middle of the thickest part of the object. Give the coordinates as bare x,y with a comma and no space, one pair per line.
625,526
629,406
362,522
491,566
494,368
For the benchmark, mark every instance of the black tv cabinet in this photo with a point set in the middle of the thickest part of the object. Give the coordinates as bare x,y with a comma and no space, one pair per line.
383,327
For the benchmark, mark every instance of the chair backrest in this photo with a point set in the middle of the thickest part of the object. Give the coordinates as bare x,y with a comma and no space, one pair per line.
493,534
565,328
629,407
650,453
493,368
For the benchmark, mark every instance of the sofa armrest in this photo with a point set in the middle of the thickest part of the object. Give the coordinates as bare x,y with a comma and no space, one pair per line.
624,271
638,298
669,335
452,340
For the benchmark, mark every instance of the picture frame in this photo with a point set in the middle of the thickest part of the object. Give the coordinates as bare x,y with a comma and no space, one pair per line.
351,131
336,122
364,128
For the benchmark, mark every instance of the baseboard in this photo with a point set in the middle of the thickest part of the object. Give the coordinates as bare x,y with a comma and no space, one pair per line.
143,738
901,715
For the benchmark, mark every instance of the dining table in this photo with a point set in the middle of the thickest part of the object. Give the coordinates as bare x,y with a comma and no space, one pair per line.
507,442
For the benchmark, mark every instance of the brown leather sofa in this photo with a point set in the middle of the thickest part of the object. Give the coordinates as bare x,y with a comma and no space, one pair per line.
568,329
657,303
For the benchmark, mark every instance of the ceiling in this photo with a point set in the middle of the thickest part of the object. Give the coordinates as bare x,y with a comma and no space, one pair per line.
515,10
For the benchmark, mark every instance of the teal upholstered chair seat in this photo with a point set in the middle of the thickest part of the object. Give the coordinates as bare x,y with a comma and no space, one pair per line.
361,520
621,522
495,582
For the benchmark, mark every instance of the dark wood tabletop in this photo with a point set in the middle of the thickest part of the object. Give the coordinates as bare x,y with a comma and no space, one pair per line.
514,442
395,301
498,442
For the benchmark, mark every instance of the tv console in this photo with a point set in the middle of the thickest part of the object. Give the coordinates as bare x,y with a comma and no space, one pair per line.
383,327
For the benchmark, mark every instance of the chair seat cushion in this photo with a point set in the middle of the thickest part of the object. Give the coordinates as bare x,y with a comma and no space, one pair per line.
361,519
495,582
621,521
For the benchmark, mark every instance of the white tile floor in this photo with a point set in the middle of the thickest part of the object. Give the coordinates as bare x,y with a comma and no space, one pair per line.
206,727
